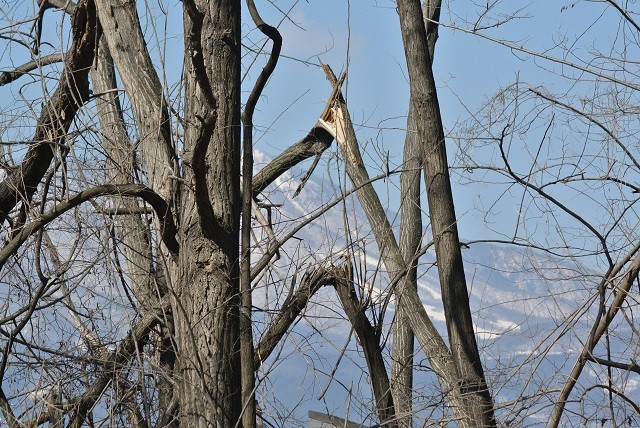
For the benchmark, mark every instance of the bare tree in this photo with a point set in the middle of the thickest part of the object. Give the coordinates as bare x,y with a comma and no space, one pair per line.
138,233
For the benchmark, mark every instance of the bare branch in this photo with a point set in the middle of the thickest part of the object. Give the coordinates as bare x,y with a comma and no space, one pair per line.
58,114
622,291
168,228
10,76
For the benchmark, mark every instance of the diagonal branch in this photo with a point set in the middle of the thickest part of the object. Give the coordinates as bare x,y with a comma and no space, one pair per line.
622,291
428,336
312,281
313,144
58,114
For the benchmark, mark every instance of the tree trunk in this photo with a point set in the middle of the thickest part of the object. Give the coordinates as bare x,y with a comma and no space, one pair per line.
455,297
206,308
410,237
132,230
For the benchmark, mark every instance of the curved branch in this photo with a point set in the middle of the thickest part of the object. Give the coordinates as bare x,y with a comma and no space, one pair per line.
246,337
616,392
370,342
550,198
168,228
626,17
9,76
312,281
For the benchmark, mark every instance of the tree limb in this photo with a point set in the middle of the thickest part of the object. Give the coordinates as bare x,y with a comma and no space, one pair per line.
58,114
370,342
16,73
246,335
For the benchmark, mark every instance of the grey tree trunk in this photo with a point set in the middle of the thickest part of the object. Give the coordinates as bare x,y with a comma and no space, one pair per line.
121,25
158,161
410,237
207,285
455,297
133,232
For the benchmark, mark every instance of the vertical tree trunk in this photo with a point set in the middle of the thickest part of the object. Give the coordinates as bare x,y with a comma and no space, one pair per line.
206,309
410,237
120,161
121,25
455,296
124,39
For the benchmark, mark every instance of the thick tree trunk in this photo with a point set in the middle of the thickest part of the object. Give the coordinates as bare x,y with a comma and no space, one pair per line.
125,41
206,308
455,296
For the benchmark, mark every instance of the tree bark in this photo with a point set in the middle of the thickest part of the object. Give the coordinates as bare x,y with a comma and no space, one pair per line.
206,309
121,163
121,24
370,341
430,340
455,297
132,230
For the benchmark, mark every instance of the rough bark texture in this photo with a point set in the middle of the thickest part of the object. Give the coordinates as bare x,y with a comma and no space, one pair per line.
121,24
120,160
206,309
126,43
453,284
132,229
410,237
